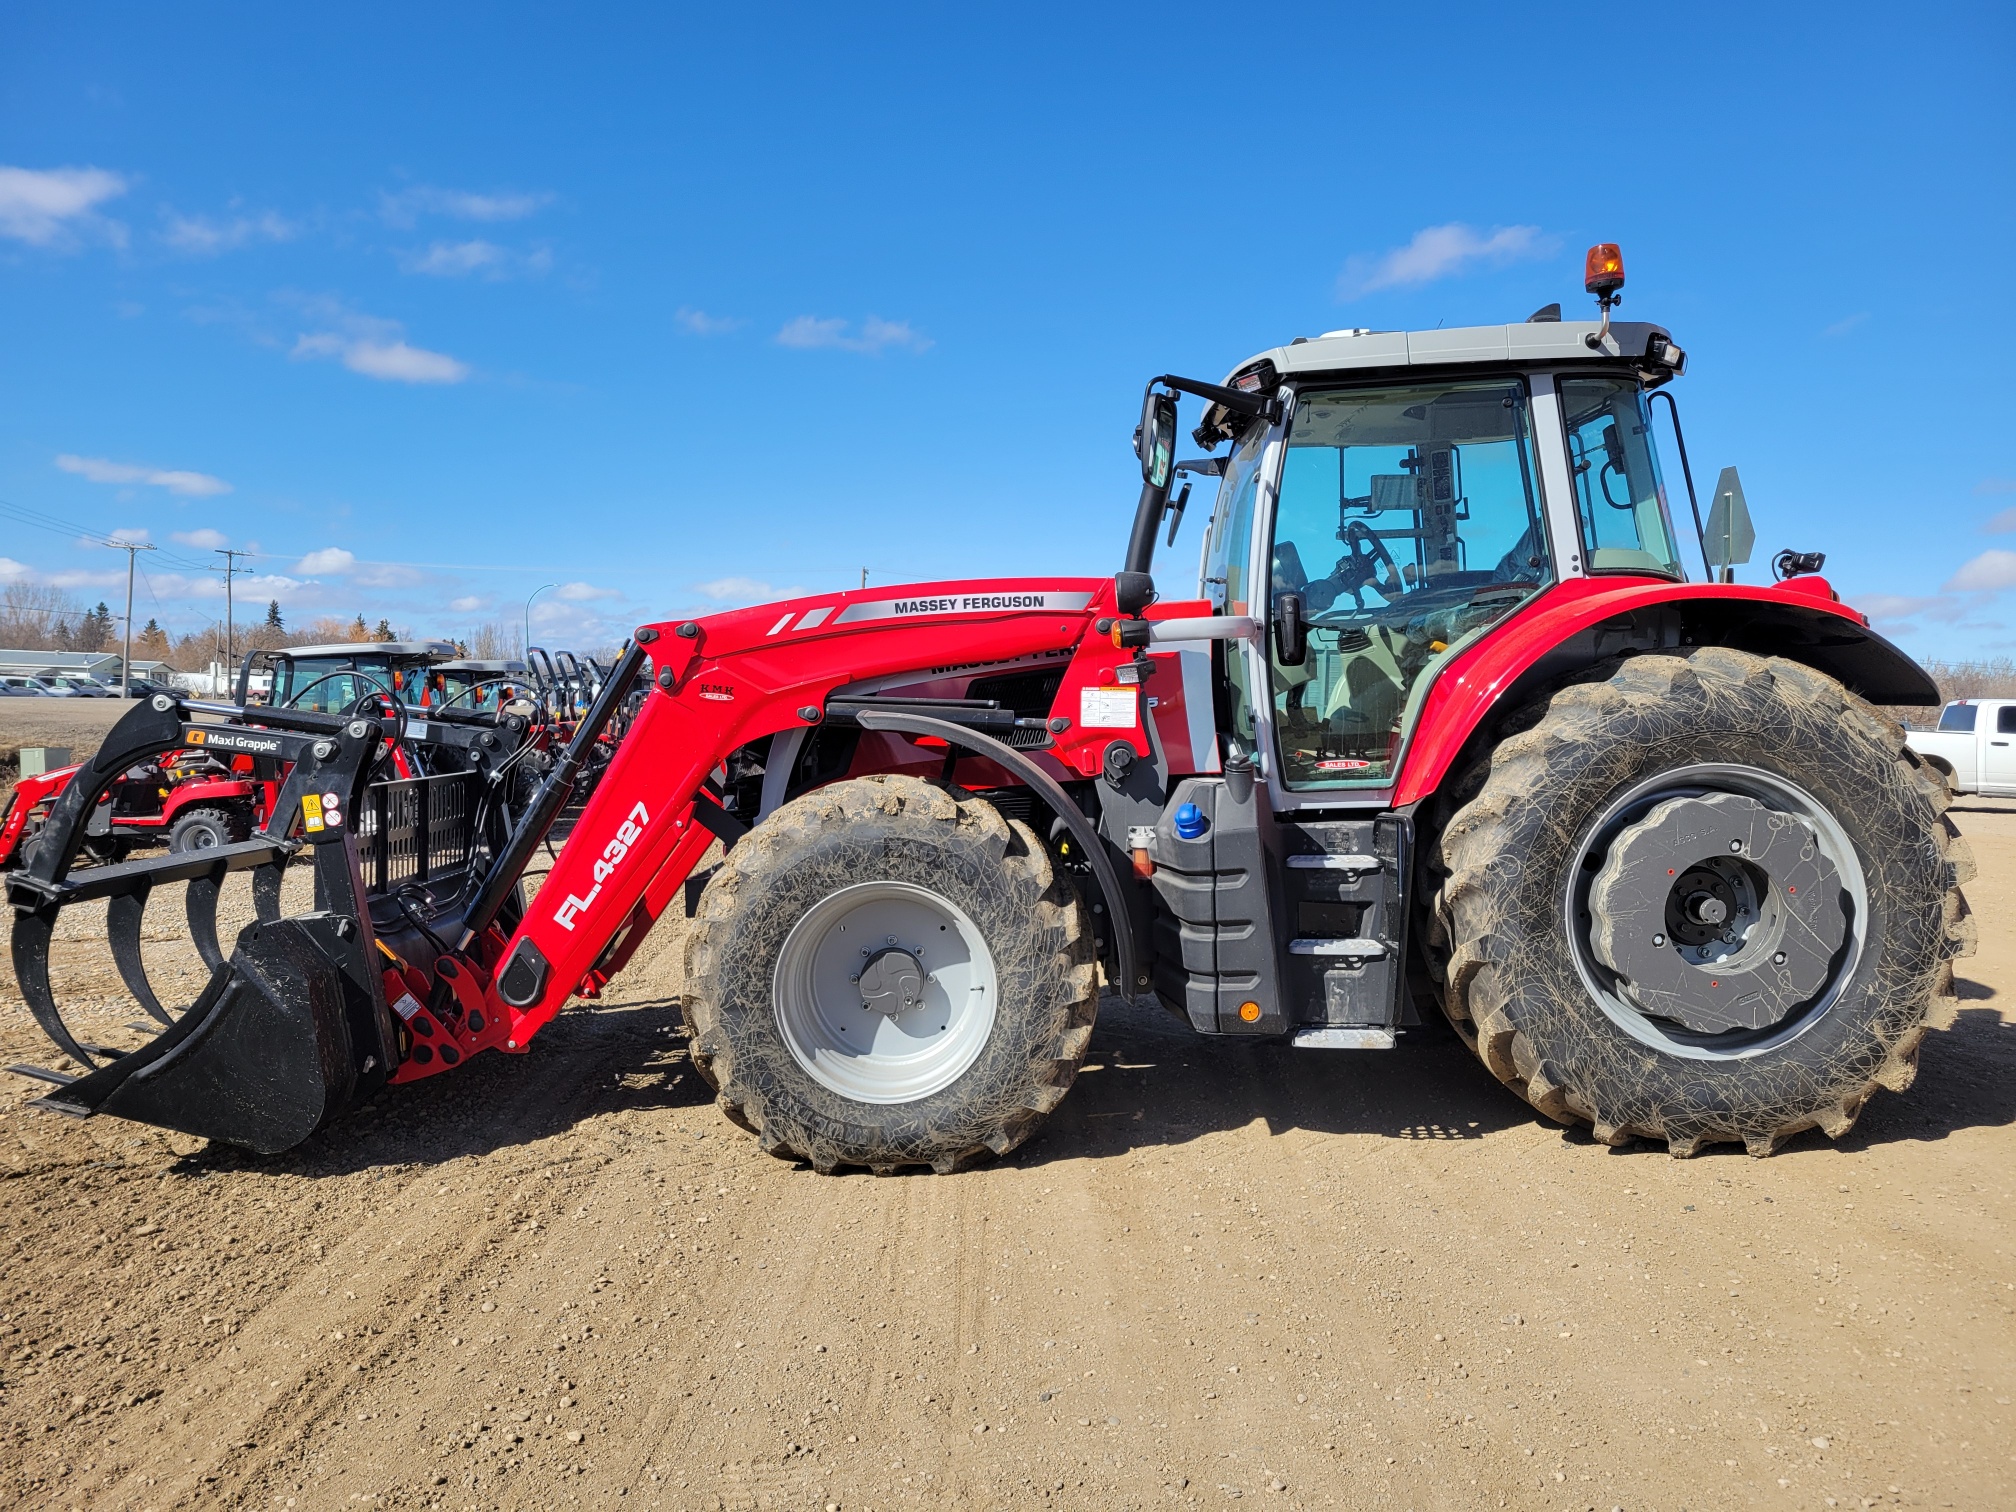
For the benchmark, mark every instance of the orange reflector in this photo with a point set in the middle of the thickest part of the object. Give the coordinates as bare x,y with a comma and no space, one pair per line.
1249,1012
1603,269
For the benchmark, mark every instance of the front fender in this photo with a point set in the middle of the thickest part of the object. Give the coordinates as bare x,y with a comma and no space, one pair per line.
1586,620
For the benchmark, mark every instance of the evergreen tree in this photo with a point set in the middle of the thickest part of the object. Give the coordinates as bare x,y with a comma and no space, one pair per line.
359,631
384,631
273,620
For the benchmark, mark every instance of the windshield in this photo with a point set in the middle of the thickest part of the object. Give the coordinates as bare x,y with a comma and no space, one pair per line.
1619,497
332,685
1408,521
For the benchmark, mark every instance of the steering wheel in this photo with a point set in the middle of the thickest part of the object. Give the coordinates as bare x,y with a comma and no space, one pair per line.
1367,563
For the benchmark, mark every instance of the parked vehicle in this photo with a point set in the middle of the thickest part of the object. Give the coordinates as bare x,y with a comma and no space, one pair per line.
1439,725
1973,747
25,687
63,684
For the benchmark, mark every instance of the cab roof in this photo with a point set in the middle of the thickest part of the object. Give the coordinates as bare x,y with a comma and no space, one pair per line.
427,651
1530,343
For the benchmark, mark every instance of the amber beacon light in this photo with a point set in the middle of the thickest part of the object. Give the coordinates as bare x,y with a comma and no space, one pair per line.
1603,270
1603,276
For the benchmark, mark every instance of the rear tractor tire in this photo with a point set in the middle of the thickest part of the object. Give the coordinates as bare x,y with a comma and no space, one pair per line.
1704,897
203,828
887,974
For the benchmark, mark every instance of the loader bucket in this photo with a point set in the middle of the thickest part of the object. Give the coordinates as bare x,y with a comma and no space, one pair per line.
264,1056
293,1027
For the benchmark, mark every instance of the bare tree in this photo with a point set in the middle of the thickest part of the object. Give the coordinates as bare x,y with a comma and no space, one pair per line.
31,615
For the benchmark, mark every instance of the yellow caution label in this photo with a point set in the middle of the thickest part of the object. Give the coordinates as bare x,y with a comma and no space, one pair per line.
311,811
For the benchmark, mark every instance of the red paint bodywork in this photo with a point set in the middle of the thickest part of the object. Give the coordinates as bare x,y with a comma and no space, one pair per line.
1479,676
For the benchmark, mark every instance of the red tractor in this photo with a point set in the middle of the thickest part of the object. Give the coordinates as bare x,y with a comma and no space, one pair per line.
1443,726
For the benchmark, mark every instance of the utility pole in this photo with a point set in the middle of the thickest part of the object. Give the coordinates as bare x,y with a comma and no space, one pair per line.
864,577
132,550
230,628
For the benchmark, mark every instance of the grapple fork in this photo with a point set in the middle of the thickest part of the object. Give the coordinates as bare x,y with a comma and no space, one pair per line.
289,1029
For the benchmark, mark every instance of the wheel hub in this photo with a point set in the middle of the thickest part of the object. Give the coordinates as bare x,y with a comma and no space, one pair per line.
891,981
1718,912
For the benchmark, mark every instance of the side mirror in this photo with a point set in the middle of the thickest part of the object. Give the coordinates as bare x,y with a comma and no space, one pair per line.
1727,538
1291,635
1155,441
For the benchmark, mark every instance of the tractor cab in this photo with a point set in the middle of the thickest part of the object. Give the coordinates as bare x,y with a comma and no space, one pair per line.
333,679
468,685
1399,494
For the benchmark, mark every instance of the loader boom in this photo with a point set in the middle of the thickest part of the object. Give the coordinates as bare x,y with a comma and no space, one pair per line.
731,680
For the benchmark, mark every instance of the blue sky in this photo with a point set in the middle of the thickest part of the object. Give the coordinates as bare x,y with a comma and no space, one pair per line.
430,306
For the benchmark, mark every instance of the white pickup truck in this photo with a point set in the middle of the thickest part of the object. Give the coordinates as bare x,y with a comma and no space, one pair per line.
1974,747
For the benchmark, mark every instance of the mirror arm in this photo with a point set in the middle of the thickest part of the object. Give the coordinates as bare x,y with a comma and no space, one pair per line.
1259,406
1147,520
1687,472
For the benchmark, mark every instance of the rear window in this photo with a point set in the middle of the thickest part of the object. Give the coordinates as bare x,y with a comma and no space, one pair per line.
1958,716
2005,720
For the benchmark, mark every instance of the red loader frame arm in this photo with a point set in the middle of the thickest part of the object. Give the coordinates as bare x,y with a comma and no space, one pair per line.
719,683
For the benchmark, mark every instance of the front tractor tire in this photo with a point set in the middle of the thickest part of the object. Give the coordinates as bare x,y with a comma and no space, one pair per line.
1704,897
887,974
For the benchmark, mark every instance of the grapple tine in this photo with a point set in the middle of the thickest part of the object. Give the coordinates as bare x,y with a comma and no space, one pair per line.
123,915
266,890
202,910
31,973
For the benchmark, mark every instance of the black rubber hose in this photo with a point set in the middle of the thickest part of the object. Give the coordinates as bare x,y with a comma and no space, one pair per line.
551,798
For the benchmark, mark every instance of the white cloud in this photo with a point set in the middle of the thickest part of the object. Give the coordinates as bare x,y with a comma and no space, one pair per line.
2001,523
745,590
191,485
203,540
76,579
467,604
373,347
1996,486
1884,607
874,335
389,575
403,208
1990,572
700,323
330,559
128,535
459,259
1440,252
44,206
581,593
201,236
12,571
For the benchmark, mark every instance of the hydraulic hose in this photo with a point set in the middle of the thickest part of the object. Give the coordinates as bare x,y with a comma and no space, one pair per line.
551,798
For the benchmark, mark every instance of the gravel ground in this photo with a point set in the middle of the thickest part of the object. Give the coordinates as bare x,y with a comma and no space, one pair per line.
1221,1272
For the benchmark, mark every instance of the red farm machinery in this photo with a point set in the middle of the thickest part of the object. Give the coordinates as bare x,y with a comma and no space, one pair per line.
1443,727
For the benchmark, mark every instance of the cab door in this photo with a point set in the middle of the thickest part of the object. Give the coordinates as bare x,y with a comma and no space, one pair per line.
1998,753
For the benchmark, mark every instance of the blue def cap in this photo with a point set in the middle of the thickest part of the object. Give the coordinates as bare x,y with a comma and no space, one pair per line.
1190,822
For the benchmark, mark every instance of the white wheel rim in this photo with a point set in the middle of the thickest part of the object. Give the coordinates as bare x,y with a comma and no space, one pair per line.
867,1055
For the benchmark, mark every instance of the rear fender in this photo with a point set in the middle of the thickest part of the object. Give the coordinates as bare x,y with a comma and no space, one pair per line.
1584,621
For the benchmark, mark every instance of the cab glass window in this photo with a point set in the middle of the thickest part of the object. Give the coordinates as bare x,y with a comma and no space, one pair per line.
1619,497
2005,720
1408,522
1958,717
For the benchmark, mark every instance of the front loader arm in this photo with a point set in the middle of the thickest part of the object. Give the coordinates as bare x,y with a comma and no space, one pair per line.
717,684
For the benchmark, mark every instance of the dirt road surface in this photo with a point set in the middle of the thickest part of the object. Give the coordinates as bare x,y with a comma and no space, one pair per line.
1221,1273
